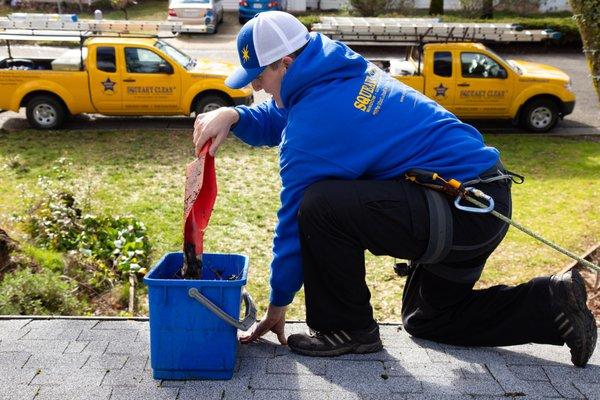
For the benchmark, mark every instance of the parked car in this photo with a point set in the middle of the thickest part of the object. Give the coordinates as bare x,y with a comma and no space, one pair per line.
197,12
249,8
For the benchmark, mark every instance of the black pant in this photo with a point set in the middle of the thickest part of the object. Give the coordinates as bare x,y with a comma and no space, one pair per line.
339,220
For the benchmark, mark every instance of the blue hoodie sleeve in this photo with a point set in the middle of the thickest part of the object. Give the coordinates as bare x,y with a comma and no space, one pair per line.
299,170
260,125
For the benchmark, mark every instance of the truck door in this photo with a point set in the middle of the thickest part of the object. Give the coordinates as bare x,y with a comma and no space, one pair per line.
150,83
105,82
484,89
439,84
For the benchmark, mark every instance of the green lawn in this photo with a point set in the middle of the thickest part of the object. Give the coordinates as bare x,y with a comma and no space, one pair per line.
142,173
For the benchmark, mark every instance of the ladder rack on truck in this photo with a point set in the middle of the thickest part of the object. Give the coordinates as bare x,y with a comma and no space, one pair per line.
98,26
394,31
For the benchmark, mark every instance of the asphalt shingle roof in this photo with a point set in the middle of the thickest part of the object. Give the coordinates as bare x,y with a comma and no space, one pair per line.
109,359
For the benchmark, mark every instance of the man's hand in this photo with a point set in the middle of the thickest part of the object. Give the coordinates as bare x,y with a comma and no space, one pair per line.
213,125
273,321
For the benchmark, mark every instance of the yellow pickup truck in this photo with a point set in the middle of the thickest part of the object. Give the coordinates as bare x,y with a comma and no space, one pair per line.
473,82
115,76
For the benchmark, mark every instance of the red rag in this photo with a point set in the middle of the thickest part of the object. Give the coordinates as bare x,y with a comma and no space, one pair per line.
200,196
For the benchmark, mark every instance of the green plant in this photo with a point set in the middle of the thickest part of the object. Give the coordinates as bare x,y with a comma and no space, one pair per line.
55,220
25,292
371,8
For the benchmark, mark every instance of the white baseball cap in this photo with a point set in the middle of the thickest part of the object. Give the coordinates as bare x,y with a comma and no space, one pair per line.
263,40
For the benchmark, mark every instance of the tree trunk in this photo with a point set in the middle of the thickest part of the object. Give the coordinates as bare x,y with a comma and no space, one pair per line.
436,7
487,9
587,15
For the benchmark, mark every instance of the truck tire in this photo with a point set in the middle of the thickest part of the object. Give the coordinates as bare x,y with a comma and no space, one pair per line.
539,115
209,103
45,112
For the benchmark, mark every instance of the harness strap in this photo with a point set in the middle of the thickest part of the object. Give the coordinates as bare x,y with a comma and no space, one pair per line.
440,229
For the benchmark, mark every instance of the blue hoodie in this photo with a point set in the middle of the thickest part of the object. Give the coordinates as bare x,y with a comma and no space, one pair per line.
343,118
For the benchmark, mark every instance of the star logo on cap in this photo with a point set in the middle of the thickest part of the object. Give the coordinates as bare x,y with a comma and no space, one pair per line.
108,84
245,53
440,90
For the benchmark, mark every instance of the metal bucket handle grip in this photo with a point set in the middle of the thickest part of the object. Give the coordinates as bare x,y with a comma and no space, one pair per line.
244,325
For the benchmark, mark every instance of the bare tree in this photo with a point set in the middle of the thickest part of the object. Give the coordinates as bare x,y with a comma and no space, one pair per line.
587,15
436,7
487,9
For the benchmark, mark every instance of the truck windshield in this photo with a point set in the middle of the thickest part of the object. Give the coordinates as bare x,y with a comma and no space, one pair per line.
510,65
183,59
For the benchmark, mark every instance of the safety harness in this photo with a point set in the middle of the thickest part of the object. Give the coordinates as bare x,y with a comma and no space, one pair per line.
440,221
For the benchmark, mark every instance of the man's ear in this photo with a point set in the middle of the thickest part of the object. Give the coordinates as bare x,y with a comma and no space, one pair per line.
287,61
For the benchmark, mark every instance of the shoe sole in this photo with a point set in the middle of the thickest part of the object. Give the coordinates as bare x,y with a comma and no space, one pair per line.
355,349
577,305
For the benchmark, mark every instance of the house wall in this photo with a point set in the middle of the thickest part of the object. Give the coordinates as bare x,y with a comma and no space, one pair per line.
303,5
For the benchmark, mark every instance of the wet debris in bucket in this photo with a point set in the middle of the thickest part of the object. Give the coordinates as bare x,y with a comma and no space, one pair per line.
192,264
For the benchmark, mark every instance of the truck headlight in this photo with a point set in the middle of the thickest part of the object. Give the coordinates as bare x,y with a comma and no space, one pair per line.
568,86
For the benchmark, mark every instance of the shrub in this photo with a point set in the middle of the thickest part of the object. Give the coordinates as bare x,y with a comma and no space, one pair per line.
24,292
372,8
56,221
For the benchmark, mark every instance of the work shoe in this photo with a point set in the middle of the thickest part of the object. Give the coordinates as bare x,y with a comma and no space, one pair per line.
336,343
575,322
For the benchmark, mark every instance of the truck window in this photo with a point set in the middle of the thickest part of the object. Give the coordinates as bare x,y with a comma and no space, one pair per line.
143,61
105,59
477,65
442,63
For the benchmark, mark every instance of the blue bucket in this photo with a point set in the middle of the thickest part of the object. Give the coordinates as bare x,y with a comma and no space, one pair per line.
194,323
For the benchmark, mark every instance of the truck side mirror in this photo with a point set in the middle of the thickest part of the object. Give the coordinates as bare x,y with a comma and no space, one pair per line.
165,68
502,74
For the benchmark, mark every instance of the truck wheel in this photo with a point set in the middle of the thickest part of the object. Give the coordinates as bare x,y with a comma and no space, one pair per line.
45,112
540,115
209,103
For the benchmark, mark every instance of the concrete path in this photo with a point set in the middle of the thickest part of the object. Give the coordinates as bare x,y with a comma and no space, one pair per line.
109,359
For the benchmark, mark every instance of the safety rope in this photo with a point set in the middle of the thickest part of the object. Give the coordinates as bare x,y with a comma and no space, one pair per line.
535,235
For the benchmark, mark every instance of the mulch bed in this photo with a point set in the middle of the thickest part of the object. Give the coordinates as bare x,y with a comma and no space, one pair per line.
592,283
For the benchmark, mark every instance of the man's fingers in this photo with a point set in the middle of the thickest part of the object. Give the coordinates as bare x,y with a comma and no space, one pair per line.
199,120
262,328
220,138
281,337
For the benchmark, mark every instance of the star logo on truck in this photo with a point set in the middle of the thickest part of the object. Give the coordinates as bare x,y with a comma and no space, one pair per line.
108,85
440,90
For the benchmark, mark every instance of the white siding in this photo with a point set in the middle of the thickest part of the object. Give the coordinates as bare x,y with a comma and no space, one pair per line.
545,6
301,5
333,4
231,5
312,4
296,5
555,5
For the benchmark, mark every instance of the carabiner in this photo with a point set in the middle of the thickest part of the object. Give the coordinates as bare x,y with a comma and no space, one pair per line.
476,193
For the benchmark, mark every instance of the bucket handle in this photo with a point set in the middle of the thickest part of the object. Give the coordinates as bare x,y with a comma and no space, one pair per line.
249,318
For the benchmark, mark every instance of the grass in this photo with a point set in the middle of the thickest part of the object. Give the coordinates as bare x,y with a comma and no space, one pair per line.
142,173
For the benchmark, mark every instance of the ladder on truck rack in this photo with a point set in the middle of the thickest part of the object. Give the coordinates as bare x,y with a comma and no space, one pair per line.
93,27
393,31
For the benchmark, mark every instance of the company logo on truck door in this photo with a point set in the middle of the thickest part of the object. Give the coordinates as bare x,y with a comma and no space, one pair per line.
108,85
150,89
440,90
482,94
